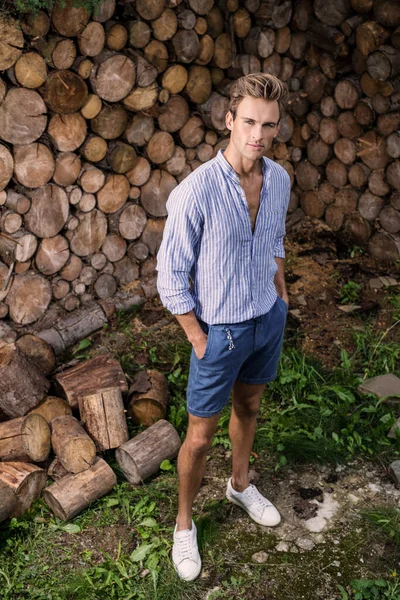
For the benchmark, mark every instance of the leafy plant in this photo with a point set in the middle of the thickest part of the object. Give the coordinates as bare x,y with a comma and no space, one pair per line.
350,292
371,589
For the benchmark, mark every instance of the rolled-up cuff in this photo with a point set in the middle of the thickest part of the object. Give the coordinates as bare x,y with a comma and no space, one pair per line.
178,305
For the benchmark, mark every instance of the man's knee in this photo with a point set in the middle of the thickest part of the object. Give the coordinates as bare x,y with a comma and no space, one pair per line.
247,410
198,444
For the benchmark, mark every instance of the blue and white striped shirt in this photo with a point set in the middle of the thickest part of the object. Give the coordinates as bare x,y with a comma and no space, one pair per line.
208,239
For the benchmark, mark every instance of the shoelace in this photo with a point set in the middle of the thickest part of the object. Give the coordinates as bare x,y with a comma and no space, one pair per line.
257,498
185,547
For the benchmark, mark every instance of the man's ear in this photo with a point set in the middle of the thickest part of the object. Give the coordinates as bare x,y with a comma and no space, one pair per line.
229,120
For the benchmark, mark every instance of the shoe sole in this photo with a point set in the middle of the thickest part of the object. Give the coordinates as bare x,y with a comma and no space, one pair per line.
255,519
192,578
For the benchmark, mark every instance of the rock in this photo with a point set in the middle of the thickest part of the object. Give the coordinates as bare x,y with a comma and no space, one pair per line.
282,547
301,301
379,282
348,308
295,312
305,543
383,386
260,557
394,428
316,525
394,472
353,498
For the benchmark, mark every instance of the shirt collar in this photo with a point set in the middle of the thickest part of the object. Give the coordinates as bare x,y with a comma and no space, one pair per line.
230,171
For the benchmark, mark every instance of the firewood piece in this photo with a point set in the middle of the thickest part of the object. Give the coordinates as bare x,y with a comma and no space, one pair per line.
52,255
52,201
65,92
372,150
125,271
92,39
369,206
387,12
30,70
389,218
117,37
100,372
356,230
113,194
141,456
393,145
141,99
174,79
346,94
17,202
98,261
312,205
357,175
72,269
10,221
34,165
23,116
160,148
6,166
19,248
26,482
72,445
67,131
201,7
90,233
140,173
114,246
105,286
148,400
104,11
71,494
8,501
318,151
19,395
186,45
87,202
192,133
370,35
28,298
139,34
91,107
377,183
121,157
393,174
94,148
345,151
69,20
174,114
25,439
385,247
38,351
12,42
139,251
35,24
334,217
56,470
384,63
92,180
336,173
103,416
152,234
164,28
67,169
156,191
114,77
199,85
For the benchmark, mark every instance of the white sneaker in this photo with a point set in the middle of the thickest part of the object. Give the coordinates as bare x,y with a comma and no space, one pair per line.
185,553
261,510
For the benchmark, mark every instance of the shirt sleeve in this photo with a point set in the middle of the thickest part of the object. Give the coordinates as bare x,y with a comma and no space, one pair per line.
178,251
279,250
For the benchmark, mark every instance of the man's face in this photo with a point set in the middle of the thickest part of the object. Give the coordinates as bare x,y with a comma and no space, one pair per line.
255,126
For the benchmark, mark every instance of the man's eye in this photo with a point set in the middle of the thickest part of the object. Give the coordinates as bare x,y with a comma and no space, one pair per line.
249,122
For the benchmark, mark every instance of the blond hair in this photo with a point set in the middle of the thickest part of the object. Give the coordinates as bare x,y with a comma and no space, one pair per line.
258,85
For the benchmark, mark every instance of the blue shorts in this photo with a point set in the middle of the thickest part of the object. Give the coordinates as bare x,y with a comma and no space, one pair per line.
248,352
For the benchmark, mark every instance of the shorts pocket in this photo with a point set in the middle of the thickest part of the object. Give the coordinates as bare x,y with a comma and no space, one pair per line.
208,344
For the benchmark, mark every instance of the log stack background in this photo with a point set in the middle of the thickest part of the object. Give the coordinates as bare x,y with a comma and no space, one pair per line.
102,115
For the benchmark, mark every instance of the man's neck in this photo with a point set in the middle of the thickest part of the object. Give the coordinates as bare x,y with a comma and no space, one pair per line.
244,168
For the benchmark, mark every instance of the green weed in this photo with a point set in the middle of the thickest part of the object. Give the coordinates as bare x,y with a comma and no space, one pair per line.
387,520
350,292
369,589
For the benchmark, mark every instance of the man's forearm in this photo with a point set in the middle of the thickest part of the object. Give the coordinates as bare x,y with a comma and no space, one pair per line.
279,279
190,326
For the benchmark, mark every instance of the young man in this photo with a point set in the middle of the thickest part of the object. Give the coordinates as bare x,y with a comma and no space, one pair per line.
224,232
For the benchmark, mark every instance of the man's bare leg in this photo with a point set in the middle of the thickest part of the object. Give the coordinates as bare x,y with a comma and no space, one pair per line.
191,464
246,399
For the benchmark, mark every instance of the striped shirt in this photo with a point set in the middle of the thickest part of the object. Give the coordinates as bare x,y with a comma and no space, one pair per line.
209,259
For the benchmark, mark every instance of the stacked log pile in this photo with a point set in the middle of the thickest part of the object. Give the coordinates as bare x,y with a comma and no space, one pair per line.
88,419
102,115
